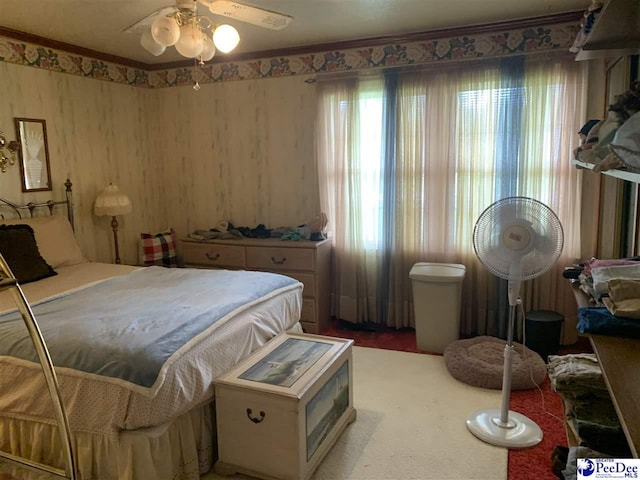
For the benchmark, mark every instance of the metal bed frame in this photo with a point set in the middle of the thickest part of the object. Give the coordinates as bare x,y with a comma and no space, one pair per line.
9,282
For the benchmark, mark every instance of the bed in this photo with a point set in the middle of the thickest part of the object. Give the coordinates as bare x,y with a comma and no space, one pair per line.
136,352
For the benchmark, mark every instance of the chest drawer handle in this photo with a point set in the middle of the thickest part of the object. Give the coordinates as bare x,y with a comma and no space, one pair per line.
278,262
213,257
255,419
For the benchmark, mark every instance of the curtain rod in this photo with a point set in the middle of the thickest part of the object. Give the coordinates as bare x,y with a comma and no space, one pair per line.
426,67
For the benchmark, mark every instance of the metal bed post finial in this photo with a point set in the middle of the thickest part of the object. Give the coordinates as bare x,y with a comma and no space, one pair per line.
69,198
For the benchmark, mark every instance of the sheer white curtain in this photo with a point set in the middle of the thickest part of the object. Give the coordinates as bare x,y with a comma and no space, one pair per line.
348,156
408,162
556,93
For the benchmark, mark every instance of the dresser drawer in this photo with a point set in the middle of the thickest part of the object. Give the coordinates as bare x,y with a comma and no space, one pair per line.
308,313
305,261
307,279
213,255
274,258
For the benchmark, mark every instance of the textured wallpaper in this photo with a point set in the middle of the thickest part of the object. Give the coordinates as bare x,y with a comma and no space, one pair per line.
97,133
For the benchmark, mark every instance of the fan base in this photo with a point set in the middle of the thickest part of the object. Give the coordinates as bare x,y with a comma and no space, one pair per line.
520,431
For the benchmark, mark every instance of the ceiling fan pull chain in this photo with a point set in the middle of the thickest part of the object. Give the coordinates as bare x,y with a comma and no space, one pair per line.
196,85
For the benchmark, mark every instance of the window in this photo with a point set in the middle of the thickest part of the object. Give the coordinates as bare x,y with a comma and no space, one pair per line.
415,157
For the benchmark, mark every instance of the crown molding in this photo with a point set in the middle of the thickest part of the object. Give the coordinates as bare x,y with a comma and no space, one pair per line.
301,50
525,36
69,48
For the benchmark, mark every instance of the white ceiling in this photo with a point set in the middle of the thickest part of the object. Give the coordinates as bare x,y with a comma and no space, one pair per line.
99,24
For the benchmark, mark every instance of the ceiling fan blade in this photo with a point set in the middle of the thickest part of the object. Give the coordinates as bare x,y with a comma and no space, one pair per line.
145,23
248,13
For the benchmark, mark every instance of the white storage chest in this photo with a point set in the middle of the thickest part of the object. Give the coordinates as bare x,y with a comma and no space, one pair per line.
279,411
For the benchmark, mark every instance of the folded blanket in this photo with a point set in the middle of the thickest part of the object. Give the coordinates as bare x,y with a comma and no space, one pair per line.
575,374
595,424
612,262
599,320
624,298
602,275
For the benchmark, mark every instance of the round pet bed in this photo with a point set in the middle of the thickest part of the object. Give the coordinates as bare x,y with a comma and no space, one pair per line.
479,362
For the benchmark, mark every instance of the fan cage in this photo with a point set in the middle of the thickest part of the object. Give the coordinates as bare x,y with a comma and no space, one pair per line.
533,216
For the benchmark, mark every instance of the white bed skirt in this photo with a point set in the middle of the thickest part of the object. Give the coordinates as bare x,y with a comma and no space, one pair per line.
182,449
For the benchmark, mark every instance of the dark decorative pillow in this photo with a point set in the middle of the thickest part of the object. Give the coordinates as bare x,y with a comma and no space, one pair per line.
18,247
159,249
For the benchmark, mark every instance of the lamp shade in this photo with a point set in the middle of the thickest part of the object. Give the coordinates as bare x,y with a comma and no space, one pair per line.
165,31
150,45
209,49
191,42
111,201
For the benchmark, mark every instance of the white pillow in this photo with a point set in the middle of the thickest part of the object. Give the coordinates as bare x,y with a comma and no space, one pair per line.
56,242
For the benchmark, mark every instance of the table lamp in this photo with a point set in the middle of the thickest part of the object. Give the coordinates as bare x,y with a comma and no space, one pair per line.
112,202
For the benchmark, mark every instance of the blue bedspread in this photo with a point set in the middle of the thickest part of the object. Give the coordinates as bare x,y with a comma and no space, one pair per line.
127,327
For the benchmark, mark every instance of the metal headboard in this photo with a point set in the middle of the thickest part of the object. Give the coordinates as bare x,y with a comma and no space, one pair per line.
9,282
31,207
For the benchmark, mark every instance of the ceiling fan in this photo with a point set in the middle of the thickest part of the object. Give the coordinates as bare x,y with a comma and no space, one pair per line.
197,36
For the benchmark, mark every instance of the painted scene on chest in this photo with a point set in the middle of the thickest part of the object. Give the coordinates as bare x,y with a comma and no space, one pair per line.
326,407
287,363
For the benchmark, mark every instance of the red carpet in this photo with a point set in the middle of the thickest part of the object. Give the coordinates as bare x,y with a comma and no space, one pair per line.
529,463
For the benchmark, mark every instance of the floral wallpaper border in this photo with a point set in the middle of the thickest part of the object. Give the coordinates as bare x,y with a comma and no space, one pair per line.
485,45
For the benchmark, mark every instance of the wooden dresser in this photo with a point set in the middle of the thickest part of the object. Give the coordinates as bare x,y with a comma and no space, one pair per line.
306,261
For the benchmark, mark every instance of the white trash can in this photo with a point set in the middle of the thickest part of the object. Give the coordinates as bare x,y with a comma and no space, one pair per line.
437,289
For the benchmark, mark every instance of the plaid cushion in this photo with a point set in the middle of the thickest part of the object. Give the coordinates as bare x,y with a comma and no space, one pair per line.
159,249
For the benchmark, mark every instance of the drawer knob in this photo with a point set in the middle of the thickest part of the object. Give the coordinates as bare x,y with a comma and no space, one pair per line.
255,419
213,257
278,262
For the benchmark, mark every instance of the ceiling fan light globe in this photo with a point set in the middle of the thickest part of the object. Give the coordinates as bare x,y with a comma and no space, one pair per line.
208,50
165,31
226,38
191,42
150,45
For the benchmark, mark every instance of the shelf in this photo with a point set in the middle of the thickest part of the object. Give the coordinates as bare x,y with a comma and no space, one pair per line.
615,32
619,360
572,438
606,53
622,174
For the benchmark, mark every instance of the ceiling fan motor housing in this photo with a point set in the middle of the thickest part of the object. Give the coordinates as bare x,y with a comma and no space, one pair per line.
516,237
518,232
187,5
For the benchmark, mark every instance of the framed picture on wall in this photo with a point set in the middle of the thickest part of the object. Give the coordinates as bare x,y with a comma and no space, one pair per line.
35,170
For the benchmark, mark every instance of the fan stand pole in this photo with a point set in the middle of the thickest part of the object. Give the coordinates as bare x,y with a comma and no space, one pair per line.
507,372
504,427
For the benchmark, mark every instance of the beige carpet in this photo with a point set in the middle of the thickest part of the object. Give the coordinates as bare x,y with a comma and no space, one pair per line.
410,425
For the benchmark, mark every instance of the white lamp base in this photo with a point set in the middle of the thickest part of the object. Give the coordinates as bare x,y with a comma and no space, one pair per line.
519,432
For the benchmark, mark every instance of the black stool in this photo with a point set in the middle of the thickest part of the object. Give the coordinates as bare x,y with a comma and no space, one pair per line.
542,331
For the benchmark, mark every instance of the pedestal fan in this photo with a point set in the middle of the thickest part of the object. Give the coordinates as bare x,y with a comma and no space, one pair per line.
516,238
